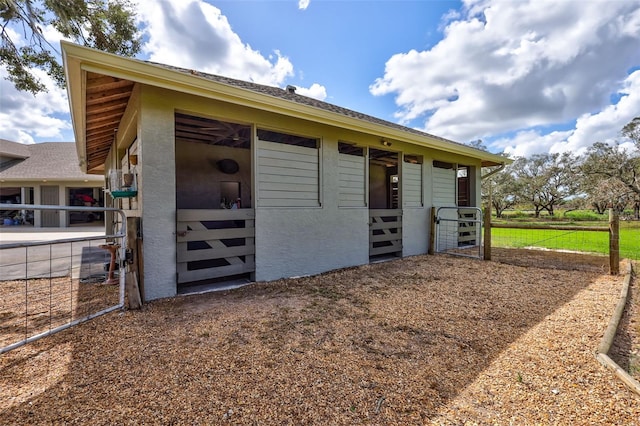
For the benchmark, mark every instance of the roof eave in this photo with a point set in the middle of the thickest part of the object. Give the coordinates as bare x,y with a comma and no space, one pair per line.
78,60
74,77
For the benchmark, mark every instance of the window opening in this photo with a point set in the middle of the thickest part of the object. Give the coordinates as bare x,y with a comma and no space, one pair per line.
413,159
350,149
383,179
213,163
464,186
442,165
287,139
209,131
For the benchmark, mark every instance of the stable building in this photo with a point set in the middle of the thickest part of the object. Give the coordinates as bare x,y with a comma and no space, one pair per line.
233,179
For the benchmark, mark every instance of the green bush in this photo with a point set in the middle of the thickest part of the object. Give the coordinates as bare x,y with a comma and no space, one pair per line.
585,215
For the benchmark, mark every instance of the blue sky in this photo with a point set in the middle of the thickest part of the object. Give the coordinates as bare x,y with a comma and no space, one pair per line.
526,76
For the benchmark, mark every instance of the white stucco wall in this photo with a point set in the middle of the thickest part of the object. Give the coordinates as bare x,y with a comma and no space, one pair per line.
415,231
309,241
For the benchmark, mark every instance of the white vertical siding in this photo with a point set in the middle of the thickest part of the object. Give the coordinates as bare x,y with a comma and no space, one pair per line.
412,184
288,175
351,190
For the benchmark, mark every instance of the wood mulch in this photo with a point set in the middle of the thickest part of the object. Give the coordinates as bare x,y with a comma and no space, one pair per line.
421,340
625,350
33,306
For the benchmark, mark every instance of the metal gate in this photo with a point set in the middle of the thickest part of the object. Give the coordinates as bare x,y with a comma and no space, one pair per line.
49,286
458,231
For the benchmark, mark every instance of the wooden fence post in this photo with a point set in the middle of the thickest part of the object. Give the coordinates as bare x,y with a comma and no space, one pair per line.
134,300
614,242
487,232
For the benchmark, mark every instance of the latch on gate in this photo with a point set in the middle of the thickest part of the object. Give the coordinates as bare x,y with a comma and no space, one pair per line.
128,256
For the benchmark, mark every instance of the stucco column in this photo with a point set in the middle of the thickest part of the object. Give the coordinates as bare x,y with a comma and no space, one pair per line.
157,192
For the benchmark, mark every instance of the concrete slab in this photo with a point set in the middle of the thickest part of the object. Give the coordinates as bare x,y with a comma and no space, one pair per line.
80,259
15,234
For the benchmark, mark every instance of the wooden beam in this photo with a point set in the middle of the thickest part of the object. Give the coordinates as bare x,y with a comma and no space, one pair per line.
112,85
99,99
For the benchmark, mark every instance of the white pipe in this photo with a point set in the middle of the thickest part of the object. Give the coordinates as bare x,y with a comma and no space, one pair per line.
493,172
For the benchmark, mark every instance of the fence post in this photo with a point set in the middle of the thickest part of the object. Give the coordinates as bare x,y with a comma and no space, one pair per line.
432,231
614,242
487,232
134,300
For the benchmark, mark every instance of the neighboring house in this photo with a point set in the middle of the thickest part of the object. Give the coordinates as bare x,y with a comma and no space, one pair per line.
240,179
45,173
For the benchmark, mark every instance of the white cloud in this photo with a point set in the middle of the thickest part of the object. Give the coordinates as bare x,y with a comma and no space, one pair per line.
602,126
24,117
508,66
606,125
528,142
303,4
195,34
315,91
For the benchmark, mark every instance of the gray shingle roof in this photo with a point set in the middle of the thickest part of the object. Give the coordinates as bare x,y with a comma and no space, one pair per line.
47,160
10,149
305,100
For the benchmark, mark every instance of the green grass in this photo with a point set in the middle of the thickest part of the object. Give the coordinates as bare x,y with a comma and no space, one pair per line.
583,241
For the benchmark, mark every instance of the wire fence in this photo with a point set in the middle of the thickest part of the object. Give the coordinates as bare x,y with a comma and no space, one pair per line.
573,248
47,286
458,231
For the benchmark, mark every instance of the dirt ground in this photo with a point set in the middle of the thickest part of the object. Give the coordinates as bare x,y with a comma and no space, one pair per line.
421,340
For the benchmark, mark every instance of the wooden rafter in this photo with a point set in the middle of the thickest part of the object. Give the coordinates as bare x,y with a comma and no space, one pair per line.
106,101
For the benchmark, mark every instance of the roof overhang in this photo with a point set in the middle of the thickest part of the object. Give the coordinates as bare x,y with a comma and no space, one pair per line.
79,61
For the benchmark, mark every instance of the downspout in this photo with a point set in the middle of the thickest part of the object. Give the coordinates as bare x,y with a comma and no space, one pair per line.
493,172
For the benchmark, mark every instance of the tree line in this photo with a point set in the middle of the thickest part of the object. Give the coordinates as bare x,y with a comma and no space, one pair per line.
605,176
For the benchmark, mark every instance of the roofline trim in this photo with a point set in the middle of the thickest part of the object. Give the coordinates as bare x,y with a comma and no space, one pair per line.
92,60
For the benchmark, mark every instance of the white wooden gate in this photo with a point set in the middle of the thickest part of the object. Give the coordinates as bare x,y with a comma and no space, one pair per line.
385,232
214,243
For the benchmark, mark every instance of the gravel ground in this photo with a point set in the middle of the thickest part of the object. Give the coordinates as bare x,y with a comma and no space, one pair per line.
422,340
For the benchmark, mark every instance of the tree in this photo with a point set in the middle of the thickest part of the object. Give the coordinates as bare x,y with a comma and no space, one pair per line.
107,25
631,130
500,188
610,193
544,180
611,161
615,168
479,144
